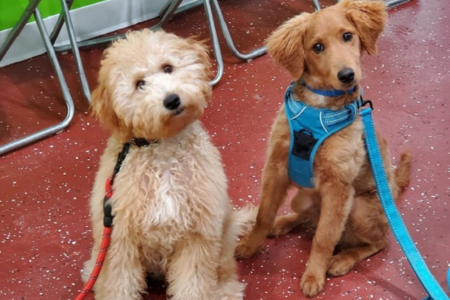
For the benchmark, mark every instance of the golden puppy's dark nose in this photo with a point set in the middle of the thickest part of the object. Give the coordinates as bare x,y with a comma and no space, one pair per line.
346,75
172,102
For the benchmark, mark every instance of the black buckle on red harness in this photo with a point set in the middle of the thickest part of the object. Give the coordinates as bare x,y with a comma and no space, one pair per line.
107,214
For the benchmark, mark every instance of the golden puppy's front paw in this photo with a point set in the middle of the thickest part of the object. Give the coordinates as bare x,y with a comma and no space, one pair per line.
245,249
283,225
312,284
340,265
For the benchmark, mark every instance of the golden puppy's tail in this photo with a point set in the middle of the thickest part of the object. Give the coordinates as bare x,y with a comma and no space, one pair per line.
403,173
245,218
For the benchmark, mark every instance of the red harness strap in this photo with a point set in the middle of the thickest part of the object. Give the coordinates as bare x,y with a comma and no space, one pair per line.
108,216
107,222
98,264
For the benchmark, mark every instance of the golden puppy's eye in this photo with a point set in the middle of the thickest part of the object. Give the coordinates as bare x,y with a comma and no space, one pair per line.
347,37
140,84
168,69
318,48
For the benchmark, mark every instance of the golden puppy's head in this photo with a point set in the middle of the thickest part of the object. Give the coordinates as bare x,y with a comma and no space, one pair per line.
152,85
324,48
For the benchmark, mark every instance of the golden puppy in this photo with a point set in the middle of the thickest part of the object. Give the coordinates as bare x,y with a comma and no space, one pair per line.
172,214
322,51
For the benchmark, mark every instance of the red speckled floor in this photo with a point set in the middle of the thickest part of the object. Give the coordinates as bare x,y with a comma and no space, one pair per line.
44,188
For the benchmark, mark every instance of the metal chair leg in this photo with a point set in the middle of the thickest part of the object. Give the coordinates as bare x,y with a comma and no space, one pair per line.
65,90
226,33
394,3
74,47
59,24
167,13
317,5
215,42
181,9
64,16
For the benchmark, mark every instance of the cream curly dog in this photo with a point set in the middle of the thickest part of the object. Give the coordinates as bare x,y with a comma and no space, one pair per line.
172,214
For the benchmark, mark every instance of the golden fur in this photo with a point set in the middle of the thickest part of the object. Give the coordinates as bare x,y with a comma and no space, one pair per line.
343,207
172,213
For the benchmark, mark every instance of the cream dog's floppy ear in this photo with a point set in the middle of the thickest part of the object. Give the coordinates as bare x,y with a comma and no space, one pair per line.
101,107
369,18
202,50
285,44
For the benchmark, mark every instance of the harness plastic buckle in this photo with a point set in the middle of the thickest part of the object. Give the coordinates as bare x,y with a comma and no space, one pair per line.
304,143
363,102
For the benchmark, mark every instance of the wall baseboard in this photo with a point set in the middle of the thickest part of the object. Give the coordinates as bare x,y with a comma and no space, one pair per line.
88,22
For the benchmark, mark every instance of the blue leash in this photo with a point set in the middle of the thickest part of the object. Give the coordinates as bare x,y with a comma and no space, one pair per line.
395,220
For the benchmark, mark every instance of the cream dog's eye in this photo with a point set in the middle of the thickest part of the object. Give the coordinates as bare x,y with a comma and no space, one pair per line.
168,69
140,84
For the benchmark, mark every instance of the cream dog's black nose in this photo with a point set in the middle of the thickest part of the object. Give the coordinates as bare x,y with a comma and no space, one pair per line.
346,75
172,101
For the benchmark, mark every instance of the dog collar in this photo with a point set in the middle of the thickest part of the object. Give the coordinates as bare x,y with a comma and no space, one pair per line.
330,93
142,142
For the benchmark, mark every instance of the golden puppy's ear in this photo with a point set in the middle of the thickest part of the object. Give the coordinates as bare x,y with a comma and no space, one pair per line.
285,44
369,18
101,107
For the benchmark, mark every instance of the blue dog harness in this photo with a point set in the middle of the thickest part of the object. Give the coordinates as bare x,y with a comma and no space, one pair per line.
309,127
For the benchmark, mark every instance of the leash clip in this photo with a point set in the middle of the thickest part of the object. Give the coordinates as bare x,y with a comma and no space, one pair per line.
363,102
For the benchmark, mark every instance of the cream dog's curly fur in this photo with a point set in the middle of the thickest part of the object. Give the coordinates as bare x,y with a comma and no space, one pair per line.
172,214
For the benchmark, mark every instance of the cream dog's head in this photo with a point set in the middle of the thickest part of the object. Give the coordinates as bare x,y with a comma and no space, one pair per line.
152,85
